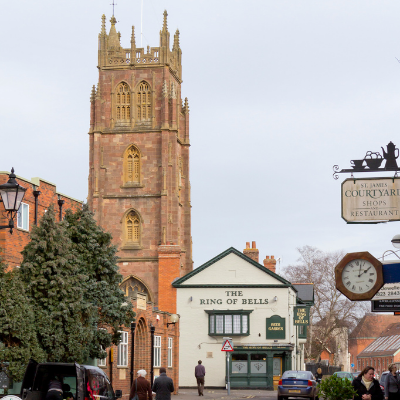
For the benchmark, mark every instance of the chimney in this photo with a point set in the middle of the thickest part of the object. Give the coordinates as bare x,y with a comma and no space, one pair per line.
270,263
251,252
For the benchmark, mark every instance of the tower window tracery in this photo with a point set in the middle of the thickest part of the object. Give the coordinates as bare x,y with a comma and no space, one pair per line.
132,165
143,102
123,102
132,229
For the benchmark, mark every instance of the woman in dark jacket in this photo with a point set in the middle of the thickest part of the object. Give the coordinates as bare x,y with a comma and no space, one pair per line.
366,386
143,387
392,384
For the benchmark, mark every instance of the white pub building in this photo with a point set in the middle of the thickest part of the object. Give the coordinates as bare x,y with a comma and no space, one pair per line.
234,296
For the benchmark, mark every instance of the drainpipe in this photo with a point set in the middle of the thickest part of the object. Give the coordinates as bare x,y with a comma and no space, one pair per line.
36,194
133,326
152,329
60,204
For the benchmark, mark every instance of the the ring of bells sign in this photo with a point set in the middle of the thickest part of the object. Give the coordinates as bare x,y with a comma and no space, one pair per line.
301,315
371,200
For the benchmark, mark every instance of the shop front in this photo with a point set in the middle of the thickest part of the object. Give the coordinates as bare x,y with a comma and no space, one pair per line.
259,366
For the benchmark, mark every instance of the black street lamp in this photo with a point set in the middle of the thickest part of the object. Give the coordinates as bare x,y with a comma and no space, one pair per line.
11,194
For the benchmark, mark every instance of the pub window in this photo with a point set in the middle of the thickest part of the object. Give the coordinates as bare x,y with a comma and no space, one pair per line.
227,322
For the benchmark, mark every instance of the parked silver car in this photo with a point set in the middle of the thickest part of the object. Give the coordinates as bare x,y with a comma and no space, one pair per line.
297,384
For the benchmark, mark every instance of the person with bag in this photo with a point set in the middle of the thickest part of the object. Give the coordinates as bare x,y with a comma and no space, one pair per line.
141,388
366,386
392,384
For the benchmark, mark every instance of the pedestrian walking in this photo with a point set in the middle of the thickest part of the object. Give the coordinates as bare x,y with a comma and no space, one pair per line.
163,386
141,386
200,373
392,384
366,386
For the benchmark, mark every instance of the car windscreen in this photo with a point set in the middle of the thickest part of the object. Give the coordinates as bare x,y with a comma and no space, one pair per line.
296,375
342,374
98,386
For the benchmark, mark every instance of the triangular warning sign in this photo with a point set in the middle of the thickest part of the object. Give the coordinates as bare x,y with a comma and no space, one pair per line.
227,346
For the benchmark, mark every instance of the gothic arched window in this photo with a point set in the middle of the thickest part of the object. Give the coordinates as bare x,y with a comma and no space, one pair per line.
132,229
132,166
123,102
143,102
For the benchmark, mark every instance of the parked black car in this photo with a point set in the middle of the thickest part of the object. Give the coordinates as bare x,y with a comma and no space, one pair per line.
84,382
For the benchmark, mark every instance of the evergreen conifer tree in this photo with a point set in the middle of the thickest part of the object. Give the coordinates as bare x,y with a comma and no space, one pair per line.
55,285
18,341
97,259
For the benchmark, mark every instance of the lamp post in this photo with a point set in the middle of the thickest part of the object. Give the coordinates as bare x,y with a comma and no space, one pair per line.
133,327
11,195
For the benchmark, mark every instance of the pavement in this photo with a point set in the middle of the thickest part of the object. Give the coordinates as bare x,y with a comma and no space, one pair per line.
217,394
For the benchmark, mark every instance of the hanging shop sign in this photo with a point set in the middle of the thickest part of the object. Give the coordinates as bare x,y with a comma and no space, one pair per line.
301,315
276,327
385,305
371,200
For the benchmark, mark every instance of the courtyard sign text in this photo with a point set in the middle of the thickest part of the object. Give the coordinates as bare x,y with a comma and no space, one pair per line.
371,200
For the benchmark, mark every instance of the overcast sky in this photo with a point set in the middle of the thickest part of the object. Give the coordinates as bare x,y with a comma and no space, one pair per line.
279,91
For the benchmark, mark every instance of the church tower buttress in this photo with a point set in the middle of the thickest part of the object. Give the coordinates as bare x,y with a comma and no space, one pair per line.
139,184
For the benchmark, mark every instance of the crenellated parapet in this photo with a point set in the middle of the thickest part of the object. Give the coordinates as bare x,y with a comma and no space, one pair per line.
111,55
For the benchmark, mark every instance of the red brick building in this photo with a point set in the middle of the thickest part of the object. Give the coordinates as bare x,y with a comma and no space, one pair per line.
139,187
39,196
366,332
382,351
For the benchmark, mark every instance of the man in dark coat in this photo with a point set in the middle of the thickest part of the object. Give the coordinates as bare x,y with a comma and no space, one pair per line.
163,386
199,373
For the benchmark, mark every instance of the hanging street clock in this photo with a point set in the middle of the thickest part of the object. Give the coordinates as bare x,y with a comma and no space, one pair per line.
359,276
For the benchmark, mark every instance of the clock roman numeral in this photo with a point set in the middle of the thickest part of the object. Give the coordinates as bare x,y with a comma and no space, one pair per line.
353,287
348,283
371,273
371,280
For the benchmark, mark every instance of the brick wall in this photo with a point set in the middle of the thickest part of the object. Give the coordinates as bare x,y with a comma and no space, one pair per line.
12,244
121,376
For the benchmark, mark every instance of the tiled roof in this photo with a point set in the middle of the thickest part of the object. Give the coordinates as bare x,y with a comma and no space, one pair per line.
371,326
386,345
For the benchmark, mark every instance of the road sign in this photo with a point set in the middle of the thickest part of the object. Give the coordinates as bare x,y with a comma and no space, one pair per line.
227,346
385,305
352,365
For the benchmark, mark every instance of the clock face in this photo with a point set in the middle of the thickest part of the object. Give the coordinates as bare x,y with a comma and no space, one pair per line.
359,276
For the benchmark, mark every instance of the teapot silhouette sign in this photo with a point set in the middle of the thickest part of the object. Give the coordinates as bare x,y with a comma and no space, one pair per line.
390,156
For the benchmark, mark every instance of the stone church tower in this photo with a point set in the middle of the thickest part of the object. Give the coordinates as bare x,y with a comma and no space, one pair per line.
139,184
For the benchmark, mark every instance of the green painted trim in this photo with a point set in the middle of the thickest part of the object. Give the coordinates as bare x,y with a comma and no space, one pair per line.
221,256
236,285
304,334
231,312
